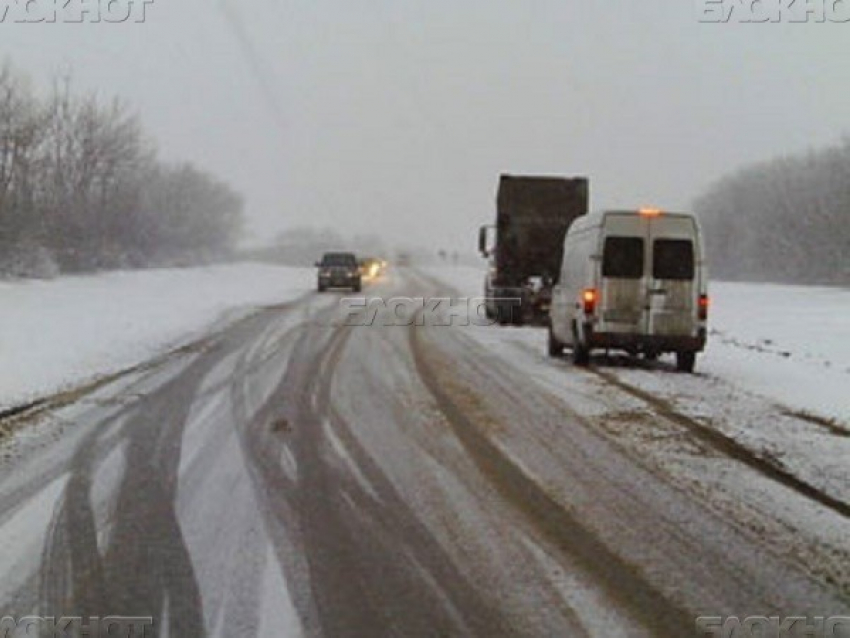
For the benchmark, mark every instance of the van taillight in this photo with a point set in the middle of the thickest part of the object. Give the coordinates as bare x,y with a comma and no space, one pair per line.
703,307
588,297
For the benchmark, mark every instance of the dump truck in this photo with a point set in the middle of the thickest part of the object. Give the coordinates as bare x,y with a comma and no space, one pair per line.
525,245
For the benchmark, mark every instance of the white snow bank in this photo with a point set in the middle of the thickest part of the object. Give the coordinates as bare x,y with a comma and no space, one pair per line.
790,344
60,332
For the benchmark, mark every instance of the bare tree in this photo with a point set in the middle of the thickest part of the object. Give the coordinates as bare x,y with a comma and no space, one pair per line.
80,181
21,127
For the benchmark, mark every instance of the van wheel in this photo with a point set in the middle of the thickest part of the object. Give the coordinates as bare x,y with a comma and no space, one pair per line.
581,354
555,347
685,361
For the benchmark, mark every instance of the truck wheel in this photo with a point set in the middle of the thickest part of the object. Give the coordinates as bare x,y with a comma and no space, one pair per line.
581,354
357,287
321,288
489,309
555,347
685,361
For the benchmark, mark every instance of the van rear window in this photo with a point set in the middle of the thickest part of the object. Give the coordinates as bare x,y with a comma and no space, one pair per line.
623,257
673,259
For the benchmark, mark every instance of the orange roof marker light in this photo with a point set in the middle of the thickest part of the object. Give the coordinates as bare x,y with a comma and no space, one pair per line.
650,212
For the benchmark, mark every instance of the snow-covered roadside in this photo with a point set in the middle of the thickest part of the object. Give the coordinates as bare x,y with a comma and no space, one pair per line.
790,344
61,332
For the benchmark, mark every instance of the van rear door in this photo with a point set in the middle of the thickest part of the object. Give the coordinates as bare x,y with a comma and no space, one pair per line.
623,282
672,281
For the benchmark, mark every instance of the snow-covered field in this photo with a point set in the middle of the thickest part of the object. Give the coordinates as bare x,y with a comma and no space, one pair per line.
62,332
790,344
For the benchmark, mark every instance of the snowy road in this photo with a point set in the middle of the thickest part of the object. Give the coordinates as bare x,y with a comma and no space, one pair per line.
292,475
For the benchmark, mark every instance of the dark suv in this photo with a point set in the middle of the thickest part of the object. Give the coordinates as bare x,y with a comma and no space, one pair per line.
338,270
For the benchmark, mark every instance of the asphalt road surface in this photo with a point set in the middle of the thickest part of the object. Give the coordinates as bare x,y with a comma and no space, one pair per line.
295,475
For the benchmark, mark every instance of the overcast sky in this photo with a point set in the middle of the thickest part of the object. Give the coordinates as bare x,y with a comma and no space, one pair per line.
397,116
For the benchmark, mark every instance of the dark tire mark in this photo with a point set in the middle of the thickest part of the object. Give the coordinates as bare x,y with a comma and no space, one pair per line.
830,425
621,580
146,564
768,467
373,568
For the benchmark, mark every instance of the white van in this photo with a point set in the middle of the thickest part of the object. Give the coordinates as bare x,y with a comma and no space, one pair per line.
633,281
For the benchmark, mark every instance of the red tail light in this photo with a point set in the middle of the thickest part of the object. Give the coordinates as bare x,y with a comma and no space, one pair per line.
703,307
588,297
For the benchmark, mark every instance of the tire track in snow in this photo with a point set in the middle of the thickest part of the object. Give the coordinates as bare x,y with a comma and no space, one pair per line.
746,579
768,467
145,568
620,579
372,567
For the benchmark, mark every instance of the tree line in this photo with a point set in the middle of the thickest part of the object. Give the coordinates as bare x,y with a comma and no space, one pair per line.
786,220
82,189
304,245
